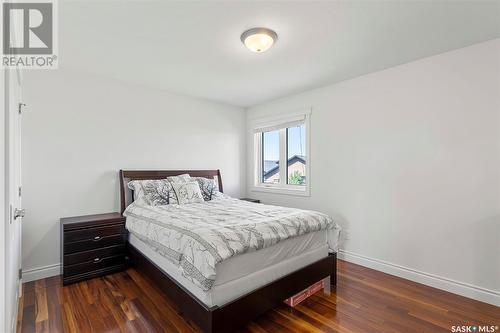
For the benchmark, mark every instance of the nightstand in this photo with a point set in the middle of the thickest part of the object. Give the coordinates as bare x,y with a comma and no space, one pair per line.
250,200
92,245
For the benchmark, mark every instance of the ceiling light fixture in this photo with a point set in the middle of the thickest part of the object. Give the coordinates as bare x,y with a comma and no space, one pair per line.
259,39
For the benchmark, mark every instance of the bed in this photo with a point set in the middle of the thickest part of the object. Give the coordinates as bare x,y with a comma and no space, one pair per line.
222,288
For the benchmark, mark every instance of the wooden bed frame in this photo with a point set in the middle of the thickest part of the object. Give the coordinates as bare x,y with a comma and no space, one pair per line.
238,312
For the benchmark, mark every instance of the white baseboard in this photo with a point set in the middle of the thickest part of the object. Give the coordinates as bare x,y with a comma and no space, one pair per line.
456,287
41,272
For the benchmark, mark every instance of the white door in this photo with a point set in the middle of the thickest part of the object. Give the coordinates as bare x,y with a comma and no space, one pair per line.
13,105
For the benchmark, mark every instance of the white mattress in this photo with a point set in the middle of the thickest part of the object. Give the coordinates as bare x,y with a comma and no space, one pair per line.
241,274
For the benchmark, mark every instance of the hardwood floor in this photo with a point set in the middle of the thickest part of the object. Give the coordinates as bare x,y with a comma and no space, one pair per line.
364,300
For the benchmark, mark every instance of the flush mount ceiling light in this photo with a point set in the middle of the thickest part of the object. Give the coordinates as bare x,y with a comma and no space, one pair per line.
259,39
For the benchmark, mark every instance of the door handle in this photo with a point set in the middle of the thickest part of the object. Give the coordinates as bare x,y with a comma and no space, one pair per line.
19,213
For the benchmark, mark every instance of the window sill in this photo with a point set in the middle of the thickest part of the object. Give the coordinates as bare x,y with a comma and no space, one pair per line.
279,190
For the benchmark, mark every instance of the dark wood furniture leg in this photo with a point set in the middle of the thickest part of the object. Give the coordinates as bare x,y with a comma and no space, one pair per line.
333,276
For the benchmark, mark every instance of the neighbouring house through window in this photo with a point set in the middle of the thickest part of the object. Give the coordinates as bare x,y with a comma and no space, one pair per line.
281,154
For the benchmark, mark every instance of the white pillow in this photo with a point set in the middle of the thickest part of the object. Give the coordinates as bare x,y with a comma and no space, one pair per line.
188,192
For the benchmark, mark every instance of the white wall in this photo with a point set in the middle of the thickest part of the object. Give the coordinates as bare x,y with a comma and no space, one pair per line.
407,160
79,130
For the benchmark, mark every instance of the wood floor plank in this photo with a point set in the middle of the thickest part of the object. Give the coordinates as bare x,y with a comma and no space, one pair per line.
75,302
294,324
252,328
28,317
42,313
155,295
364,300
302,321
68,319
54,309
42,326
111,306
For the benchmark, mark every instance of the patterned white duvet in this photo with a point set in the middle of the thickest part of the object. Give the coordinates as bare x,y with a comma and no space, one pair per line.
196,237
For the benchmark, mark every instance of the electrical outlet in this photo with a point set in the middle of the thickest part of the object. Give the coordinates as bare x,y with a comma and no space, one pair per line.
347,234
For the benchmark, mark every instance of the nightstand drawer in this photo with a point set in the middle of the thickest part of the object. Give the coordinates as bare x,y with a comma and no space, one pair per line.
93,233
89,267
94,255
94,243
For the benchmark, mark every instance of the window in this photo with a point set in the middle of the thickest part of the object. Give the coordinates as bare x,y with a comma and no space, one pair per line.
296,155
270,157
281,155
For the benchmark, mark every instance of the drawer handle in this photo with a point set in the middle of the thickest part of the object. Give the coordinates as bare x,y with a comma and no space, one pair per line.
97,238
96,260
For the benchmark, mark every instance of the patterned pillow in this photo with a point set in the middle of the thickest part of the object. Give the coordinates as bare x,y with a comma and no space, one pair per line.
180,178
207,187
153,192
219,195
188,192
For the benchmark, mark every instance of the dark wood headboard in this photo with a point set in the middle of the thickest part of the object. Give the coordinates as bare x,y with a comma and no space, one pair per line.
126,195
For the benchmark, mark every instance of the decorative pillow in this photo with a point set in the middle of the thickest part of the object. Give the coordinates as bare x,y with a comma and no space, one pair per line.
188,192
180,178
207,187
153,192
219,195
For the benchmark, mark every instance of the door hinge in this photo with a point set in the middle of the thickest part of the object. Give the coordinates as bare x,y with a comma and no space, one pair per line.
20,273
20,107
20,190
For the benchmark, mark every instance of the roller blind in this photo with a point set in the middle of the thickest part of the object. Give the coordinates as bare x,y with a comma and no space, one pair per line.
279,124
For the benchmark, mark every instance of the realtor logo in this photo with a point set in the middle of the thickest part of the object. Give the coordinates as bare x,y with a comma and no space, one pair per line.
28,31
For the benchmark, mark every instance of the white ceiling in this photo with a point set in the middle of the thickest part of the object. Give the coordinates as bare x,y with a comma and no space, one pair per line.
194,48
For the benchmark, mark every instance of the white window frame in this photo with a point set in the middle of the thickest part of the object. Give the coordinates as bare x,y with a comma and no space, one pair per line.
274,123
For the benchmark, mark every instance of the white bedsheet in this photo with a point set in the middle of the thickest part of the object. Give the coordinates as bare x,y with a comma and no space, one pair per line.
247,272
198,237
250,262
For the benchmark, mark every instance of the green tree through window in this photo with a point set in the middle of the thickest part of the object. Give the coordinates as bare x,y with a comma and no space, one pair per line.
296,178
